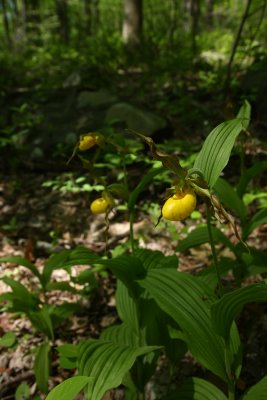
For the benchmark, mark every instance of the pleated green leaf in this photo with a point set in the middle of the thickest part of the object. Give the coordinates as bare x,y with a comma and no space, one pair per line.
155,259
69,389
127,307
258,391
230,199
41,320
68,258
107,363
225,310
187,301
200,235
128,269
216,150
121,334
42,365
197,389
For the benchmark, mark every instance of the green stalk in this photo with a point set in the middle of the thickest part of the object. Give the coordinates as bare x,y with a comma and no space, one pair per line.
131,222
231,383
214,254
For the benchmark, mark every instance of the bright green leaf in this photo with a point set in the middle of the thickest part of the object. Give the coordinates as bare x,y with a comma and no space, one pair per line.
225,310
200,235
22,392
8,340
69,388
186,299
216,150
258,391
42,365
107,363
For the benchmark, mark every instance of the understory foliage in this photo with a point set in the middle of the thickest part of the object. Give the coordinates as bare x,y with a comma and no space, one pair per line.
163,311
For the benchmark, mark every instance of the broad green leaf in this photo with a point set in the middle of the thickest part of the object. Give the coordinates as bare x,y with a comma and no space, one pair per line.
24,262
68,354
8,340
22,392
121,334
128,269
68,350
127,307
155,259
42,365
216,150
69,388
197,389
22,300
41,321
200,235
187,301
248,175
68,258
259,219
258,391
230,198
107,363
225,310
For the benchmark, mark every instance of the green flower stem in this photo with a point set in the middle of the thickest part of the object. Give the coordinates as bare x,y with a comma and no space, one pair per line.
214,255
131,221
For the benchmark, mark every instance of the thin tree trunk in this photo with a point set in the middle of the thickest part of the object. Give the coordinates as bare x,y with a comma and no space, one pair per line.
62,14
87,7
6,23
173,20
195,15
132,22
235,46
209,13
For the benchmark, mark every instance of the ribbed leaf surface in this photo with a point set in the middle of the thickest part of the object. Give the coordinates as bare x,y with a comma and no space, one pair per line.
42,366
258,391
201,235
69,389
197,389
225,310
187,301
121,334
127,269
68,258
107,363
127,307
216,150
155,259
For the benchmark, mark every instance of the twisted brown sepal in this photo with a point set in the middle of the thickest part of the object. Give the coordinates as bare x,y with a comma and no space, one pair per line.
169,161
